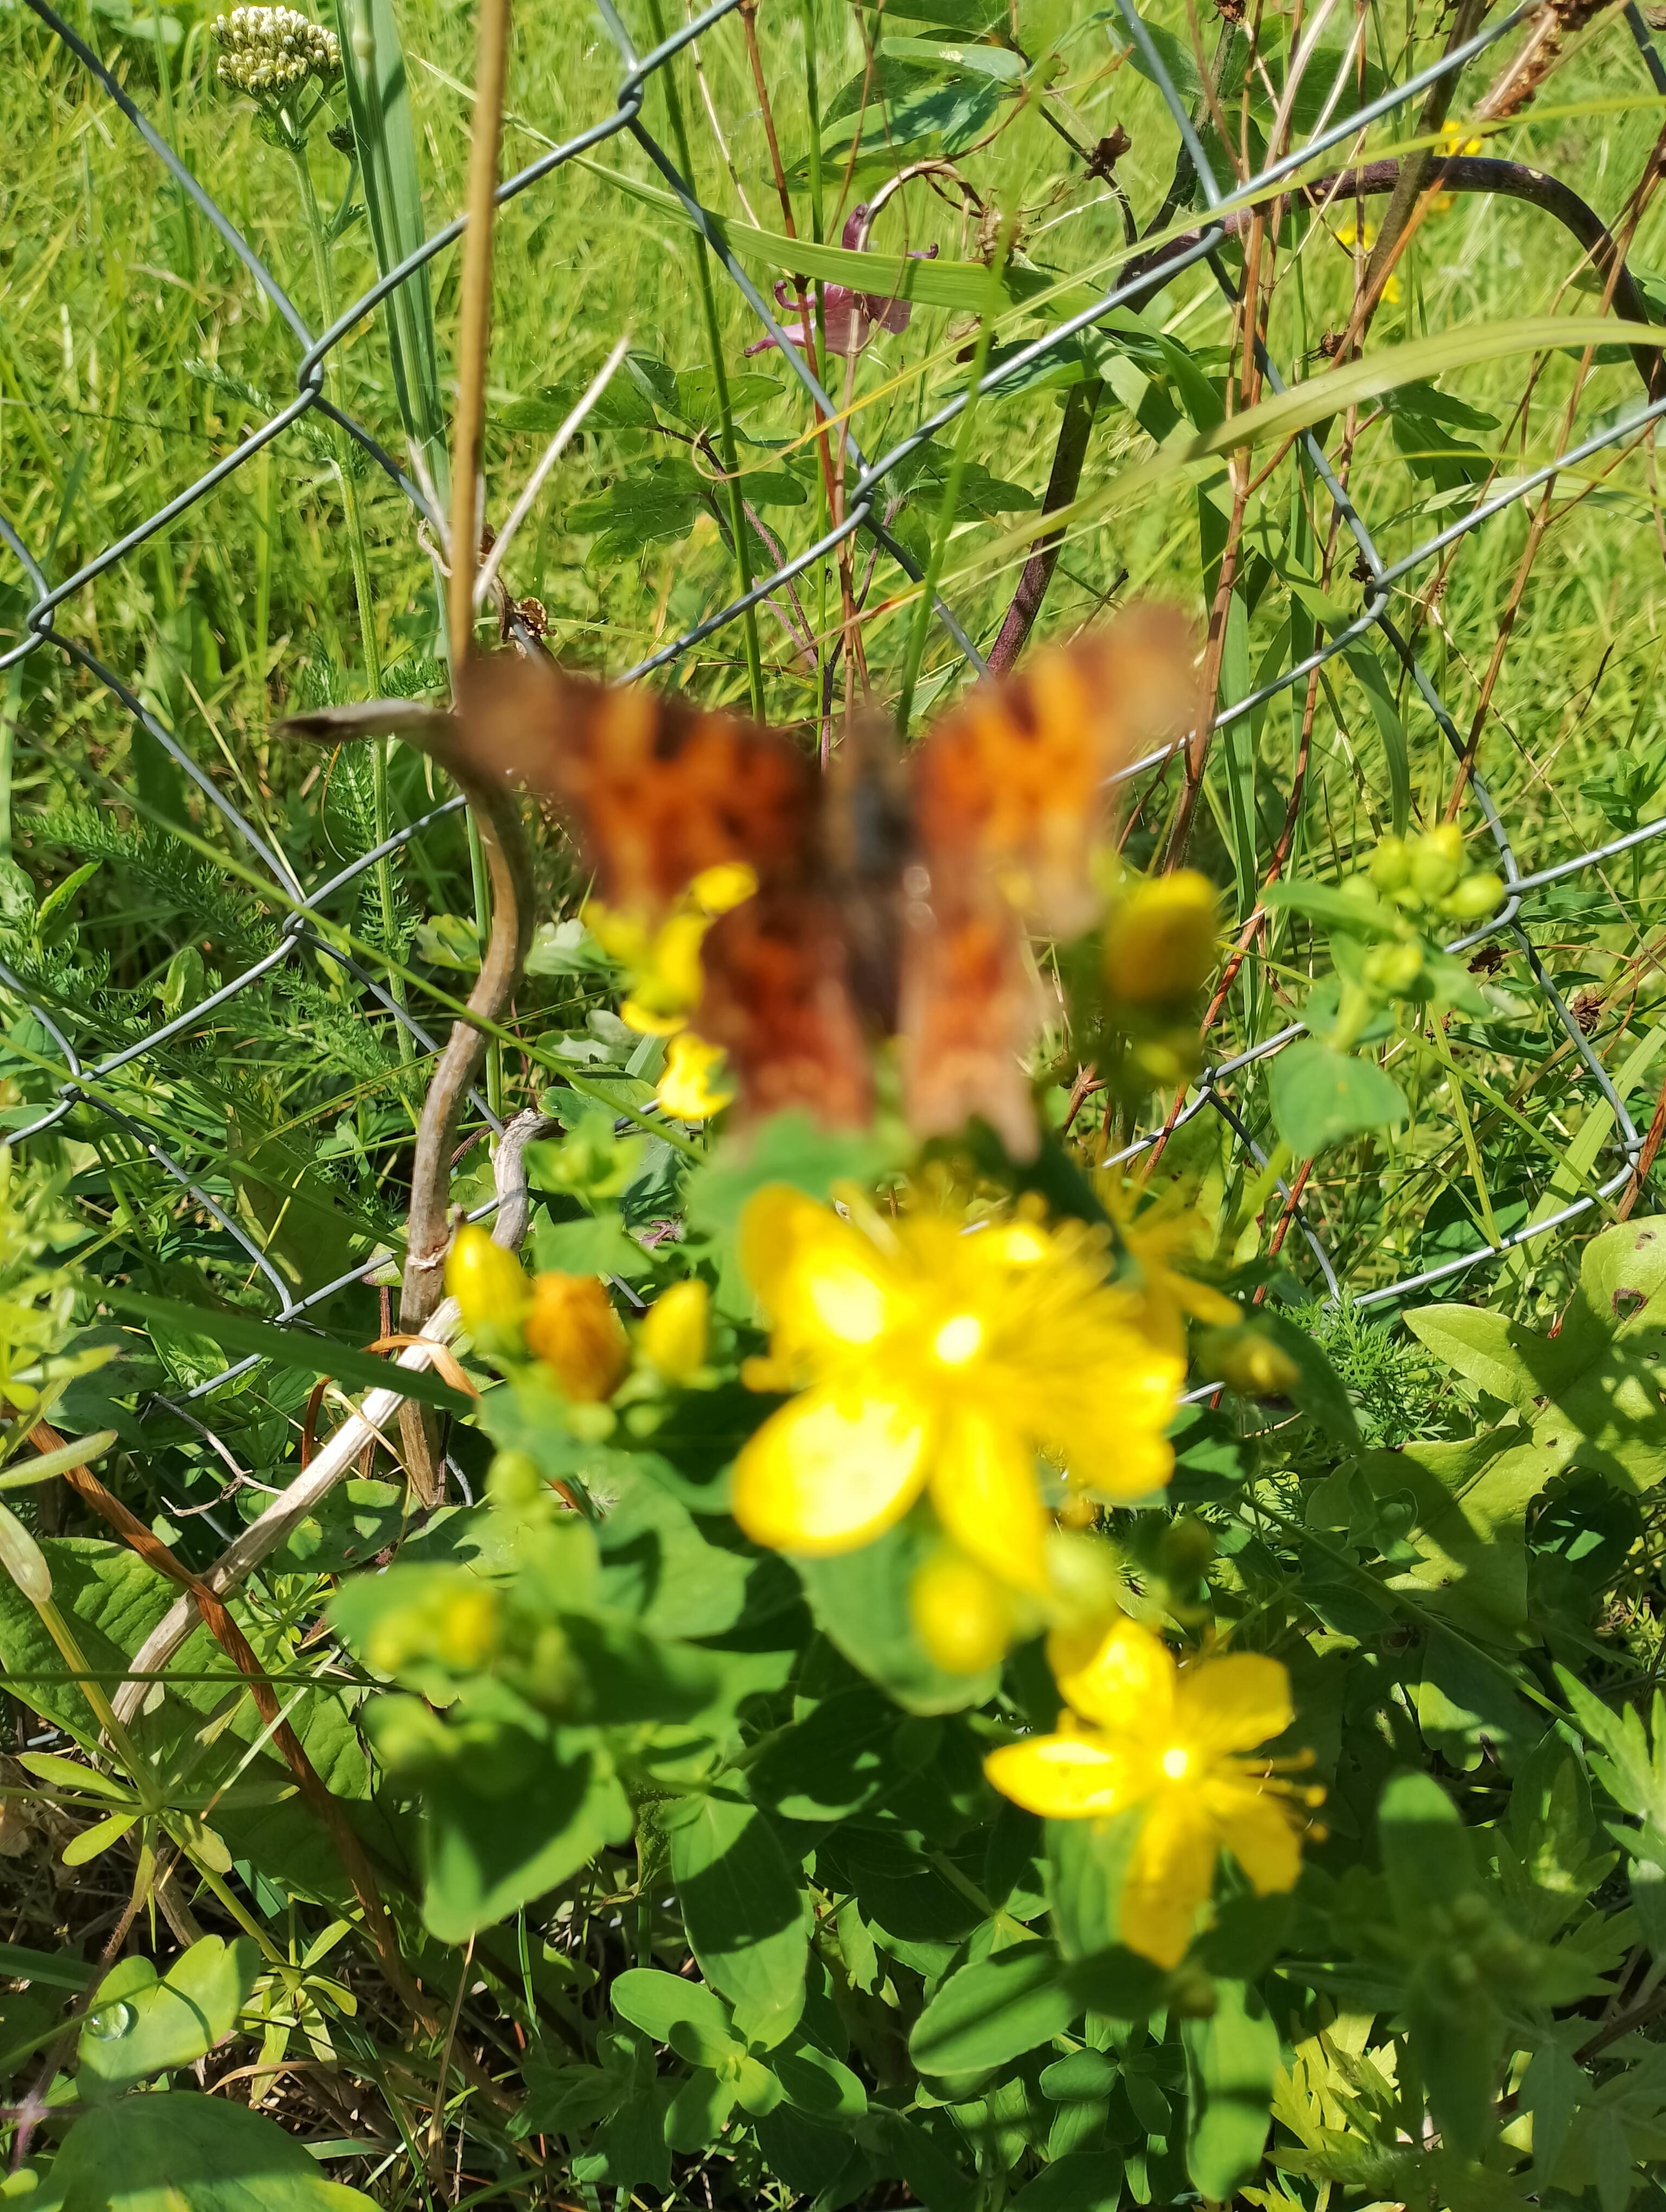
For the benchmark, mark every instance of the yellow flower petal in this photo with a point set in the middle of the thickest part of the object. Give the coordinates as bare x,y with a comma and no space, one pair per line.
728,884
1261,1833
1170,1873
828,1473
983,1488
1232,1704
1063,1777
692,1088
1126,1682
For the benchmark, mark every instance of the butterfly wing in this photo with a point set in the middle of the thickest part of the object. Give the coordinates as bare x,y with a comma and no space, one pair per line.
652,790
1011,797
971,1007
1016,778
778,1000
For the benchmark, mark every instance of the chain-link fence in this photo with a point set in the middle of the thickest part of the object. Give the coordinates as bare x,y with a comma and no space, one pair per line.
48,624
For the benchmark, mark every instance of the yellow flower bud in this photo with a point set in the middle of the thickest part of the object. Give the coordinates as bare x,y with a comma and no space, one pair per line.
489,1284
1160,939
961,1613
1248,1363
1390,864
1437,861
1477,896
1394,969
676,1333
465,1628
572,1329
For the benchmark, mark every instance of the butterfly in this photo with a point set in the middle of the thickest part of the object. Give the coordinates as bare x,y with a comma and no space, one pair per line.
896,892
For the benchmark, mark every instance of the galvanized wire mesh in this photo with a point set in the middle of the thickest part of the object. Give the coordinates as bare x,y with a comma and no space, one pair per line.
85,1082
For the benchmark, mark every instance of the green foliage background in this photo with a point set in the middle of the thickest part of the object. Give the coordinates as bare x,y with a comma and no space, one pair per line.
726,1912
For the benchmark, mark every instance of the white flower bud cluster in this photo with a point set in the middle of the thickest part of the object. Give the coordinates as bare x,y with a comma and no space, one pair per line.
270,53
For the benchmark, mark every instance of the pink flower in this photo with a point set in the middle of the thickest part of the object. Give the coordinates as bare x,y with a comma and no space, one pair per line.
852,318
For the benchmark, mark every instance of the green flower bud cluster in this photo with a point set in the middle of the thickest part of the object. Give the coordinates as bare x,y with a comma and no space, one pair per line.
1427,875
270,53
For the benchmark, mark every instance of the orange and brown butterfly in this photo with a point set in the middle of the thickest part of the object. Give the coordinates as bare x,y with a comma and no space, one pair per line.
895,894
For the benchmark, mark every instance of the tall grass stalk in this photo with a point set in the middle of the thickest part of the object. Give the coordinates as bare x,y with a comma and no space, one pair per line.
739,525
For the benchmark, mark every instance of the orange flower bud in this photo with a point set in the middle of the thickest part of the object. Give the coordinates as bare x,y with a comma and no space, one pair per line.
572,1329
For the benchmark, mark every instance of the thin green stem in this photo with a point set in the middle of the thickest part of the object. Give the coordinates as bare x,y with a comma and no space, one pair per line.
363,594
1466,1129
951,502
739,525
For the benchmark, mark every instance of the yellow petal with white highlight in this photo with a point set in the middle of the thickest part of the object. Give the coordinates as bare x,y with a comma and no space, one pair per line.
1233,1703
983,1487
1062,1778
828,1473
1126,1683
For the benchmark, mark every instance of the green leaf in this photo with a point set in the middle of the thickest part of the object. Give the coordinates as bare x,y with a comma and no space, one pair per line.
1320,1097
992,2010
745,1909
1231,2063
1426,1848
657,1565
505,1825
1360,912
139,2026
860,1602
1081,2181
787,1148
833,1762
686,2014
55,1970
1368,670
294,1349
180,2152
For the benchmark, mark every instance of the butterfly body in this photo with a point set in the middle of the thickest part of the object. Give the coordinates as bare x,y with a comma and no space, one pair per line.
895,893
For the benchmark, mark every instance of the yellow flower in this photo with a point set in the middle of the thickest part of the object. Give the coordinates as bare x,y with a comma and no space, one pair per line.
1154,1239
1453,141
572,1329
932,1360
690,1090
676,1332
1141,1731
662,959
1159,946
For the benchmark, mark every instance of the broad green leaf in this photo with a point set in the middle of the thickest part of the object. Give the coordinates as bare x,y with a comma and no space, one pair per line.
140,2026
1472,1500
183,2153
1426,1849
1487,1349
657,1565
1081,2181
1361,913
699,2111
745,1909
832,1762
1321,1098
658,2003
994,2010
860,1602
509,1823
1231,2063
294,1348
817,2082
